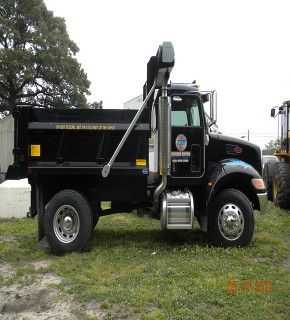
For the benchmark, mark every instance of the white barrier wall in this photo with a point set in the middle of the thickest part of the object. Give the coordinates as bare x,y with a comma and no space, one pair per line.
6,143
14,198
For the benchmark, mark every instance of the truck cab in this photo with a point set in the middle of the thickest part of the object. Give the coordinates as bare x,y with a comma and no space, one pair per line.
204,161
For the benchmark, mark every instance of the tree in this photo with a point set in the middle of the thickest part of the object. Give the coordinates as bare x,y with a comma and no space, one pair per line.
272,146
96,105
38,64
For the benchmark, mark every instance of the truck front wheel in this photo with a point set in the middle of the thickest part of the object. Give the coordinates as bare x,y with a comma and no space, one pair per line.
231,219
67,222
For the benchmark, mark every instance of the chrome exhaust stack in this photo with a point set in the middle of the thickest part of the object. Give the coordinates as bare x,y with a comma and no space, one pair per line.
164,65
164,147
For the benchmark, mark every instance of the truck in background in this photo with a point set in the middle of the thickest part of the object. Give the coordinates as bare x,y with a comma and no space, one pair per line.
276,174
74,159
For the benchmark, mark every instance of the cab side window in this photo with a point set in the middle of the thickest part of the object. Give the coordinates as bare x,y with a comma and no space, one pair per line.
179,118
186,115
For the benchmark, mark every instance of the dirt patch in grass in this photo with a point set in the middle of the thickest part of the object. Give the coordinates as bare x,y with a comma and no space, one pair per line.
34,301
6,271
41,299
94,310
41,264
254,260
8,238
286,263
29,290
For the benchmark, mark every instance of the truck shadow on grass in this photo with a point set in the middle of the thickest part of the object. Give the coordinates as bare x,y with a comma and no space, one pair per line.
147,238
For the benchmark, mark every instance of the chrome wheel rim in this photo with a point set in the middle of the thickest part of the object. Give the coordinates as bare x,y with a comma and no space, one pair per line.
66,223
231,221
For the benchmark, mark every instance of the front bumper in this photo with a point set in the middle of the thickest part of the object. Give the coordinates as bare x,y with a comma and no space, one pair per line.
263,200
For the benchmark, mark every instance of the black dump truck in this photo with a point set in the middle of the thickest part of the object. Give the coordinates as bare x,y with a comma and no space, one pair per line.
74,159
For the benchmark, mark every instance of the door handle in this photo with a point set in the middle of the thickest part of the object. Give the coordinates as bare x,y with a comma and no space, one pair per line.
206,139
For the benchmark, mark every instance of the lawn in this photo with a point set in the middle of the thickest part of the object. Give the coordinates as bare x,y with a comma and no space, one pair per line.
132,270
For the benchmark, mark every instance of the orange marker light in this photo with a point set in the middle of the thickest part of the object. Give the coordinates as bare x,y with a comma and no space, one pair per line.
258,183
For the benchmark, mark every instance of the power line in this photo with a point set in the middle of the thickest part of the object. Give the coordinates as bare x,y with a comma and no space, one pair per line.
253,133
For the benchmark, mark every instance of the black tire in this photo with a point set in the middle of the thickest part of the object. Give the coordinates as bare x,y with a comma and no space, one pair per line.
268,177
234,203
68,208
281,185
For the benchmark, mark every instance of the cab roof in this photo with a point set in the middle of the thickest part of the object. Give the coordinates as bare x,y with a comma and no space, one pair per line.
182,88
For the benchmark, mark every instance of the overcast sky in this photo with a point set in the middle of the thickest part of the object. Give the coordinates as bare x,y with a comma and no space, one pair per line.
239,48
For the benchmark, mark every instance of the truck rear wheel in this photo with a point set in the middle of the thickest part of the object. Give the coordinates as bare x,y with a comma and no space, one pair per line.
68,222
281,185
268,176
231,219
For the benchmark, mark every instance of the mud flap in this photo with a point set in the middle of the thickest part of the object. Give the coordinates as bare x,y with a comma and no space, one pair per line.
40,211
203,222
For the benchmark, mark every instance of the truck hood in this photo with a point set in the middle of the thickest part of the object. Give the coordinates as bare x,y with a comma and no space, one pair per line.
229,147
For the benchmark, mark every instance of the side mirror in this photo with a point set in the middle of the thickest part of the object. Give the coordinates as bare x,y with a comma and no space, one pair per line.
273,112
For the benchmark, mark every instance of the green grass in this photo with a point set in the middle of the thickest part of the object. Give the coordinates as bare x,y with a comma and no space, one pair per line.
134,270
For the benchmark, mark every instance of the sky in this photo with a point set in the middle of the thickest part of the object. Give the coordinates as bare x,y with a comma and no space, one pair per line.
240,48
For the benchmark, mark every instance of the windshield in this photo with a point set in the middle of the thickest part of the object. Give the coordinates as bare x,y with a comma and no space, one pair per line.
185,111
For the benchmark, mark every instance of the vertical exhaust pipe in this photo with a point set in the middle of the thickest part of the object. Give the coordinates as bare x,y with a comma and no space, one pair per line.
164,145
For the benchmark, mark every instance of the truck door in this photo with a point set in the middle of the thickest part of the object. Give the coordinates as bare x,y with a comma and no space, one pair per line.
187,140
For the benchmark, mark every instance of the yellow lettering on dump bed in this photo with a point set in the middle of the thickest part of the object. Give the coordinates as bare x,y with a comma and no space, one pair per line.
84,126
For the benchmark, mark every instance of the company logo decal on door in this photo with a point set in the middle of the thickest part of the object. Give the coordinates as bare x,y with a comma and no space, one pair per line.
181,142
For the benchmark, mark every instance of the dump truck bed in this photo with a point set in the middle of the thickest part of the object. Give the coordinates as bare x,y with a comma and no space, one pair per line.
79,142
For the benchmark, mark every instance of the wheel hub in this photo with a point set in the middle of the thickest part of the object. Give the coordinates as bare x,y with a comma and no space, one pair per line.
66,223
231,221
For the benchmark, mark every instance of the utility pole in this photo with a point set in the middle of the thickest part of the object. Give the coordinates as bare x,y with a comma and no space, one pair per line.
248,135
